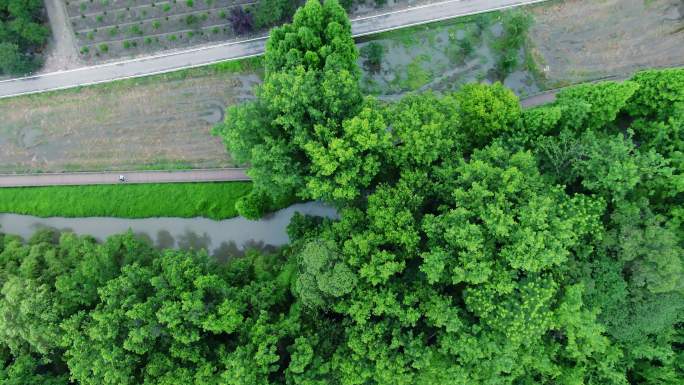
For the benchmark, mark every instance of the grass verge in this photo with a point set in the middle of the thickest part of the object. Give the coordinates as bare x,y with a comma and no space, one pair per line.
186,200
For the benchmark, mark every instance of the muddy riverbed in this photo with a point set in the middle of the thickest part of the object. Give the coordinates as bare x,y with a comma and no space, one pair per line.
222,239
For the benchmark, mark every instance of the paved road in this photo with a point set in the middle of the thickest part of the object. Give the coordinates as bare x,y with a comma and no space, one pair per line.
87,178
211,54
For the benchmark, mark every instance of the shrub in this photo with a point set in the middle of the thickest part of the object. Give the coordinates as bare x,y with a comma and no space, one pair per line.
373,53
13,61
191,20
271,12
240,20
190,3
104,48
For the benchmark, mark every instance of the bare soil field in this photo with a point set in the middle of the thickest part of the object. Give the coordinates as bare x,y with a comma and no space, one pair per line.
143,124
582,40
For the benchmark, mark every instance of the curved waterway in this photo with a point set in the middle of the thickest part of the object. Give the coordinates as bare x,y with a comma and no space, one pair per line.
222,239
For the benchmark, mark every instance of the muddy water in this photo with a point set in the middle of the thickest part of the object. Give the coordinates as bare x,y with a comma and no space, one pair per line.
222,239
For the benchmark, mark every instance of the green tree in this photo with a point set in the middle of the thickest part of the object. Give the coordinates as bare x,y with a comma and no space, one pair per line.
22,35
311,86
660,94
12,61
486,112
600,103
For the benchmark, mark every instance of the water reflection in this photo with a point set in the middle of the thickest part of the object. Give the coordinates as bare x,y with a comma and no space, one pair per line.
223,239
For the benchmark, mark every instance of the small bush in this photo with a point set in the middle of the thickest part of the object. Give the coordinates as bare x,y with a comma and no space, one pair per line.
104,48
190,3
240,20
373,53
191,20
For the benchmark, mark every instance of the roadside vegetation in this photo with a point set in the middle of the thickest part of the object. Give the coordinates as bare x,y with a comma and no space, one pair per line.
477,243
22,36
445,55
185,200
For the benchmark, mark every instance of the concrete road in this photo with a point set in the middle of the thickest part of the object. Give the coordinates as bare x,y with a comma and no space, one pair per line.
88,178
206,55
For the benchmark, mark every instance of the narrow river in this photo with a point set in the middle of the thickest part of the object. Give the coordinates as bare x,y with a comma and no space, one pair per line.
222,239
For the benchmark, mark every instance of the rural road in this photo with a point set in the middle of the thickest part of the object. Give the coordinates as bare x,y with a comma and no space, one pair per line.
86,178
206,55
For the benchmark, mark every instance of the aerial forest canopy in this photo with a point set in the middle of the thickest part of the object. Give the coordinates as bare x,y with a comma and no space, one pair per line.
477,243
22,35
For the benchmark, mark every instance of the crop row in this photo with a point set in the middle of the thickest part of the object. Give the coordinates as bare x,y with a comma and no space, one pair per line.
94,8
170,24
123,18
158,42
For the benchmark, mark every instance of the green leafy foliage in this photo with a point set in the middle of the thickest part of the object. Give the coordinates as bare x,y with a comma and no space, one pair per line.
270,12
311,86
22,35
476,243
486,111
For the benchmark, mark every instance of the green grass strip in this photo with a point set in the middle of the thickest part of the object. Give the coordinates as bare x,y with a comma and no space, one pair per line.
187,200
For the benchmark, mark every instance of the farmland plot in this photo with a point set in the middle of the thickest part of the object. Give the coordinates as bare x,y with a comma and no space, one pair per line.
112,28
109,29
160,122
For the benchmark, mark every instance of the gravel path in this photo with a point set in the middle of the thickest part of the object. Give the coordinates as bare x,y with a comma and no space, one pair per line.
89,178
62,53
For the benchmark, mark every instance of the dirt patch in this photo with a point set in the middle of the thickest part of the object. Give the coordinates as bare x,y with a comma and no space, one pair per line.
164,124
586,40
61,52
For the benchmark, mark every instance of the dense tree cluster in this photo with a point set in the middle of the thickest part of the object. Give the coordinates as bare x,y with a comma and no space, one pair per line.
477,243
22,35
